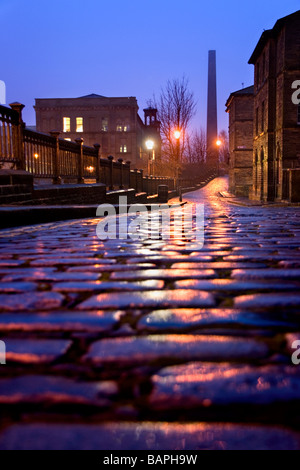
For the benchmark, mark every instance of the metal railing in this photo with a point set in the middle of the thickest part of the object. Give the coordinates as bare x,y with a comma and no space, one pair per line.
48,156
10,135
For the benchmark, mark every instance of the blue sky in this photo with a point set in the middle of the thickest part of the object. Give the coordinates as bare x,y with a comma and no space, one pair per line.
70,48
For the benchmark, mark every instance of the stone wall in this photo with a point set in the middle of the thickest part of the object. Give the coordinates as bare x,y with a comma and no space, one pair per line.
240,109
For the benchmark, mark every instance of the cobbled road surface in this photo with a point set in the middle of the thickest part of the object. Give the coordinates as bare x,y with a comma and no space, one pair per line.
154,344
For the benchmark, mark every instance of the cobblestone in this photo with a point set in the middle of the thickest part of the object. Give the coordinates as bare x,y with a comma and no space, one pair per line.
195,318
105,286
193,345
38,301
266,274
35,351
153,299
267,300
232,285
55,390
184,347
60,322
165,274
210,385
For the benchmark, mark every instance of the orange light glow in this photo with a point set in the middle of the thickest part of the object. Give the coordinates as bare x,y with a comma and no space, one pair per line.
219,143
150,144
90,169
36,156
177,134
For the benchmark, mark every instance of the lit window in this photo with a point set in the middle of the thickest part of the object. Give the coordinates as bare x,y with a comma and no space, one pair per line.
119,128
123,149
67,124
69,140
126,128
104,127
79,124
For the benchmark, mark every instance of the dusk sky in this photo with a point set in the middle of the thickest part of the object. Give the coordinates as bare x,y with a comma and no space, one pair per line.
70,48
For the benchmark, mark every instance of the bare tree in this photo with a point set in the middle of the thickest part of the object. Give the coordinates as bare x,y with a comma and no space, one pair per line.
176,106
224,148
195,151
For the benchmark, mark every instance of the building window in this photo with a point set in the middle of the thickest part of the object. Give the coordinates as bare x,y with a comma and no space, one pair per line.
104,127
79,124
67,124
263,117
298,115
119,128
126,128
123,149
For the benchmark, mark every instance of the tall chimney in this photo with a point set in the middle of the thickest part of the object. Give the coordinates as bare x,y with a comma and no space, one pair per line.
212,115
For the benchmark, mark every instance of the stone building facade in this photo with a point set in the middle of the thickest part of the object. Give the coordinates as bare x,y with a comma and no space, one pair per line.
114,123
240,108
276,147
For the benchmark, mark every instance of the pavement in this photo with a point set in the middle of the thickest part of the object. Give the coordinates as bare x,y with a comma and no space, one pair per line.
153,344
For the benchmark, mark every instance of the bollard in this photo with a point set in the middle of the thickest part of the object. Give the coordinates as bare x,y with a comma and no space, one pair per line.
163,193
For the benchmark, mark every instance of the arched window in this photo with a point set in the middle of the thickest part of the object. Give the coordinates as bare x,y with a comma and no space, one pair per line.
104,126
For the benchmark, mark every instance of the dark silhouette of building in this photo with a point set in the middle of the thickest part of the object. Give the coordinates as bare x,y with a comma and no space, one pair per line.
114,123
152,131
212,115
276,59
240,108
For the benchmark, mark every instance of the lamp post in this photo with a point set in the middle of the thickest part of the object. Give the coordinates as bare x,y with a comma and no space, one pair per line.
219,144
150,148
177,135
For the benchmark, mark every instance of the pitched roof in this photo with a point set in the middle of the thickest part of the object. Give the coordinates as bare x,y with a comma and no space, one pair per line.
271,33
243,92
93,95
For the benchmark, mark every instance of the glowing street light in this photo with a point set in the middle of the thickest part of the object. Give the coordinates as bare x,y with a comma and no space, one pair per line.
36,156
219,144
177,134
150,148
150,144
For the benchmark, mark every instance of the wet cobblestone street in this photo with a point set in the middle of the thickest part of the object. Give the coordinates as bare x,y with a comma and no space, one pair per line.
153,344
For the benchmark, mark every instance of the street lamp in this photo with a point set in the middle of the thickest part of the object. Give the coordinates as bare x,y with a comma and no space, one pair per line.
150,147
219,144
177,135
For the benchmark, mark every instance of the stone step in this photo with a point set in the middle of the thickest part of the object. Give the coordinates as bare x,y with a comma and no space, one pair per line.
9,199
15,189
